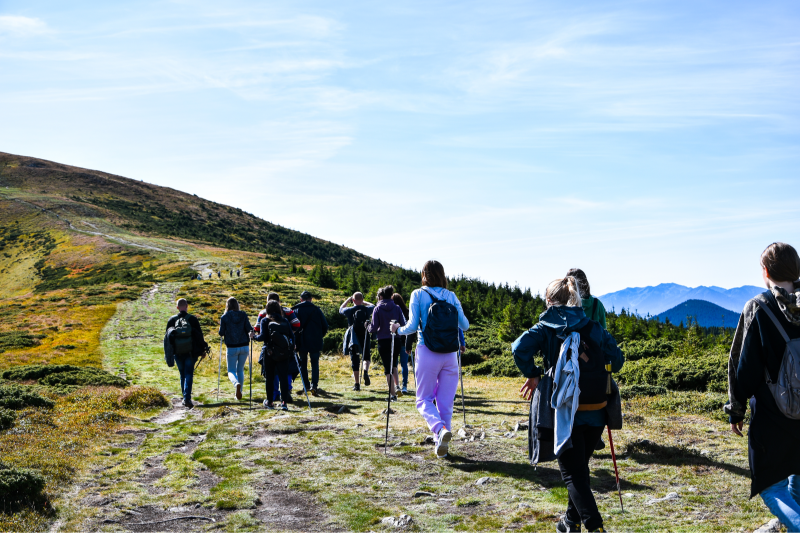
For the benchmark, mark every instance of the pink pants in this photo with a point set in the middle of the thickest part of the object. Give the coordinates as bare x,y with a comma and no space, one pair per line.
437,379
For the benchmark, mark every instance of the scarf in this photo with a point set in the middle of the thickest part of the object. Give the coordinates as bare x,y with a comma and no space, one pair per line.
789,302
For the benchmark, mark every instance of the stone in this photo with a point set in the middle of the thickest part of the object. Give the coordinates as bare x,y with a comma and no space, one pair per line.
401,443
668,497
523,505
462,433
483,481
628,495
400,521
773,526
422,494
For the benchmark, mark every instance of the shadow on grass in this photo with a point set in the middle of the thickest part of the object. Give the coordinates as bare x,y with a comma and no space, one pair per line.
648,452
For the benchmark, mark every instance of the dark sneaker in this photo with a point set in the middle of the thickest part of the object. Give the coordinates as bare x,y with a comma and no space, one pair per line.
356,387
393,398
405,389
600,445
366,379
567,527
269,405
314,392
284,407
189,404
238,391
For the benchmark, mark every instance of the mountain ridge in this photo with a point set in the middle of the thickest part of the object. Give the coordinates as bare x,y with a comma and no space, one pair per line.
705,313
656,299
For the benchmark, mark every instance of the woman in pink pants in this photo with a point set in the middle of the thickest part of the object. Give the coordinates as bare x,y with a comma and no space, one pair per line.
436,373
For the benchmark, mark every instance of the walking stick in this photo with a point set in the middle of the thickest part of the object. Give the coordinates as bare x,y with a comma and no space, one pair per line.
297,359
461,376
363,356
616,471
219,368
389,402
251,374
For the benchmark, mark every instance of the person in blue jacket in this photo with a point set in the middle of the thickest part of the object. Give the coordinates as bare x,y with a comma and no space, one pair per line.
564,315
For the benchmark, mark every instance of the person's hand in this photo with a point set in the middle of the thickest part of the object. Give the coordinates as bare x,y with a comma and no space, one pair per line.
526,391
463,349
737,428
252,334
394,327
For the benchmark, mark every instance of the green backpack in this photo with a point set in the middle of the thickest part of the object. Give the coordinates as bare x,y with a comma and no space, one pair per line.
182,337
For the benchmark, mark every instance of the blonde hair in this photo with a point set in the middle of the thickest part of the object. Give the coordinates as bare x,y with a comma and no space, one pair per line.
563,292
232,304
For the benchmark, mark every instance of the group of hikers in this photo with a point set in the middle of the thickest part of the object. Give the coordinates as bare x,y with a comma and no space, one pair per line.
231,273
568,358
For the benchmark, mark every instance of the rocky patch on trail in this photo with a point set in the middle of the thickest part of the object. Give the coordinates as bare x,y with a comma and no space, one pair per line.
150,518
285,509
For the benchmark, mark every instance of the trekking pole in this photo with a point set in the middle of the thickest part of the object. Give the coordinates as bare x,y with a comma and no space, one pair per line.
363,357
219,368
414,368
616,471
461,376
251,374
297,359
389,394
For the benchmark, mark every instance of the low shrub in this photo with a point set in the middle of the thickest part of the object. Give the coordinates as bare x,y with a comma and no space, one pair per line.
332,341
86,376
701,373
635,350
36,372
19,486
500,366
7,417
142,398
641,390
17,340
15,397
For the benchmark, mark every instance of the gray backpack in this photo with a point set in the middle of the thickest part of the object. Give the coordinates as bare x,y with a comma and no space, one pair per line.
786,390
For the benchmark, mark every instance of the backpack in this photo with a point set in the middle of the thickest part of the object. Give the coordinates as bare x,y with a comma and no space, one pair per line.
593,381
441,329
182,336
360,317
786,390
279,346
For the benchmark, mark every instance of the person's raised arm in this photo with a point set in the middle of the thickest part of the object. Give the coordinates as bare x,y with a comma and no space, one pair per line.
344,305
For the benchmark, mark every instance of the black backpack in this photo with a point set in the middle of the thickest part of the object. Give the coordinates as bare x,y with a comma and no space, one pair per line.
360,318
594,377
182,336
441,328
279,345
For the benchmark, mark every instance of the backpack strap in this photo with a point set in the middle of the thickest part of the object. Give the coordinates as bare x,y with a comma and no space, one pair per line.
774,319
434,298
594,309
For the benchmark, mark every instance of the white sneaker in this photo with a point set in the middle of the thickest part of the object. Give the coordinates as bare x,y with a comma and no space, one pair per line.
443,442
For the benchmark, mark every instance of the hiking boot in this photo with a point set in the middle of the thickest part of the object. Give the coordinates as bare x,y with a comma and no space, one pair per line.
600,445
399,393
443,442
392,398
268,404
566,527
188,404
284,407
356,387
238,391
366,379
405,389
314,392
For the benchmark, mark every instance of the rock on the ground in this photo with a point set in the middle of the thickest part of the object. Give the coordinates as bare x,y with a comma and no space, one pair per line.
397,521
773,526
422,493
483,481
668,497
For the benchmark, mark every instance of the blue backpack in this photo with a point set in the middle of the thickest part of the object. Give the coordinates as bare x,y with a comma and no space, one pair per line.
441,329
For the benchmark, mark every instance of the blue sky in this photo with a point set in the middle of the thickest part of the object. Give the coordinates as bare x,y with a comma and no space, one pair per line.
645,142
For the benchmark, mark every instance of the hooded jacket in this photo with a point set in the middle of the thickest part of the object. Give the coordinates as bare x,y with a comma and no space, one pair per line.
235,327
382,315
314,327
772,438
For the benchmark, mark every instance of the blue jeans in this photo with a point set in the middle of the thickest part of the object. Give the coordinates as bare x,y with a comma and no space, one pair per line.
237,357
404,364
783,500
314,368
186,368
277,391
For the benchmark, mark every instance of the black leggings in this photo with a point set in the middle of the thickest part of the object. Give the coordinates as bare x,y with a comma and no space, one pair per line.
385,351
282,369
574,465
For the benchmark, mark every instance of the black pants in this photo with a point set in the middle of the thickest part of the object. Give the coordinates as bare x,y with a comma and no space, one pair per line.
385,351
282,370
574,465
355,358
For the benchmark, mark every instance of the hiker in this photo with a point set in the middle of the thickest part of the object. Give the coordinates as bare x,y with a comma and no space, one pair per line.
398,299
235,328
382,316
239,273
278,351
436,361
580,411
594,308
767,333
210,274
356,343
188,345
295,324
314,327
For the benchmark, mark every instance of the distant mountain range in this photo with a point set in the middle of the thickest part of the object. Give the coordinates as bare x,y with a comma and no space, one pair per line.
658,299
706,314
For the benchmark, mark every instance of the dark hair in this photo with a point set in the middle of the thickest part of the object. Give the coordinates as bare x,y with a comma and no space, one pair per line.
583,283
231,305
433,274
398,299
781,261
274,309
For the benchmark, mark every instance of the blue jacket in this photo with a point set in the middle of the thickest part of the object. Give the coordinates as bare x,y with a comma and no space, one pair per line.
418,311
235,327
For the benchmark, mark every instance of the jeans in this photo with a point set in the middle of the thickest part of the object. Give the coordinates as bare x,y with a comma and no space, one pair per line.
237,357
314,368
186,368
783,500
574,465
277,390
404,363
437,380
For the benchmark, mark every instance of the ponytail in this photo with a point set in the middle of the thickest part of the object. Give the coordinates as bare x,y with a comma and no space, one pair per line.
563,292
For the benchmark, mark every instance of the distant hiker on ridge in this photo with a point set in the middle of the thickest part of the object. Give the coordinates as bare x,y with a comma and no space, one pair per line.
356,341
309,344
188,345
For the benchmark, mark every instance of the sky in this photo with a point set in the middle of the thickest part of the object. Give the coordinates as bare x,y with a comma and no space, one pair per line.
646,142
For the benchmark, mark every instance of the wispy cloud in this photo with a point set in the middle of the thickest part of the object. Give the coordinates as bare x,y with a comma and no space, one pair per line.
19,26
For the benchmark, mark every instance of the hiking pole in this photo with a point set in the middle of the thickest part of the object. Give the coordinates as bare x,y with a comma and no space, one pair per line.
389,403
363,356
297,359
219,368
251,374
461,376
616,471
